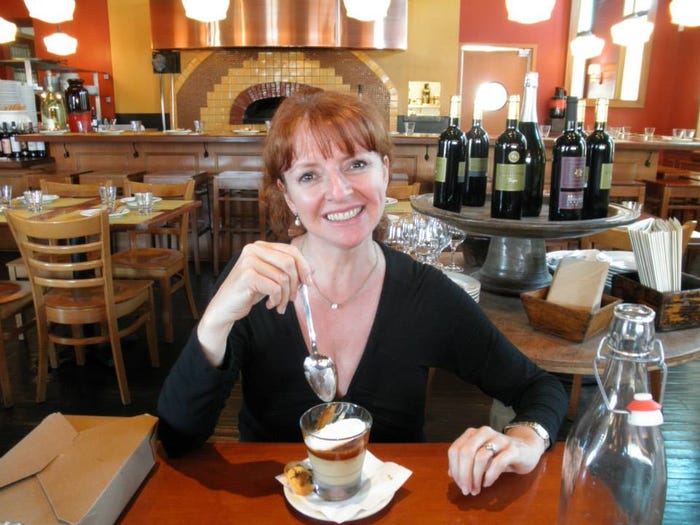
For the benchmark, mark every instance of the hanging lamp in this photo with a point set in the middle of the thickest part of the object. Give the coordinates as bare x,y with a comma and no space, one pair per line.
634,29
51,11
587,45
685,13
8,31
529,11
206,10
367,10
59,43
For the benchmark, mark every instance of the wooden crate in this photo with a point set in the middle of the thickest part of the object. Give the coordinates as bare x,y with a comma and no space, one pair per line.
573,324
674,310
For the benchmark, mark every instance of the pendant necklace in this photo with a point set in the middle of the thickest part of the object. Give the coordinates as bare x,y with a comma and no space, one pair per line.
336,305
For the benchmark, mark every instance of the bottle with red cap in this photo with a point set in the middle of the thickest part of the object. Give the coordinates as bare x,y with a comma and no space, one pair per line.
614,469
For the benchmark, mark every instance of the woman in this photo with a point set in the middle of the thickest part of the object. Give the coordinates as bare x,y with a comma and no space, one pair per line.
383,318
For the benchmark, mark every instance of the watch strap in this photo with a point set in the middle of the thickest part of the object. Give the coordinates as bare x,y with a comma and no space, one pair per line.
539,430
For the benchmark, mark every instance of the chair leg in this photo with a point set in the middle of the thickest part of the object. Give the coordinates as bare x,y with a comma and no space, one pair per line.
166,305
151,331
575,394
118,358
194,226
188,292
77,332
5,387
42,365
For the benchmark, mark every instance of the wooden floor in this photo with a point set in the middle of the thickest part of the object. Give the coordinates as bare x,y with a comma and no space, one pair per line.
92,389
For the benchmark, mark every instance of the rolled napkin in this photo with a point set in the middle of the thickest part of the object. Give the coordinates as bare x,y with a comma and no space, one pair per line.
657,245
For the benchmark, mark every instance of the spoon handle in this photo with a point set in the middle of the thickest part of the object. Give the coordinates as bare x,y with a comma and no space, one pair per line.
303,290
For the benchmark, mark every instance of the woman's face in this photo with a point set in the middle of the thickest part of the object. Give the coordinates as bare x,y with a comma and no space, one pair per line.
341,198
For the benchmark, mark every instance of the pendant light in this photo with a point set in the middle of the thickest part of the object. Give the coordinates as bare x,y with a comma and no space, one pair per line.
634,29
529,11
60,43
51,11
685,13
206,10
367,10
587,45
8,31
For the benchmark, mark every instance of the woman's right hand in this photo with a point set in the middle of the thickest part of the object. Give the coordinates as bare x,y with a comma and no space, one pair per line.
264,269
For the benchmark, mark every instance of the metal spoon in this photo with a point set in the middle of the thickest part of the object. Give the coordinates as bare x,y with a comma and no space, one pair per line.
319,369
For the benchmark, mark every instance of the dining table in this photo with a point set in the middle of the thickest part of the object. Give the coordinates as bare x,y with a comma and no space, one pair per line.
232,482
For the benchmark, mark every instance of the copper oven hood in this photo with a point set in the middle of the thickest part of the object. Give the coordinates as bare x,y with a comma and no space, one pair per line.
277,23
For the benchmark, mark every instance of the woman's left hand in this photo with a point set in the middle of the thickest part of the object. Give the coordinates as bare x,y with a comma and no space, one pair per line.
480,455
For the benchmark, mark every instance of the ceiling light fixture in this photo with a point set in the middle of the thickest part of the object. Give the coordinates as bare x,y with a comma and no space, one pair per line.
587,45
60,43
8,31
367,10
529,11
51,11
685,13
633,30
206,10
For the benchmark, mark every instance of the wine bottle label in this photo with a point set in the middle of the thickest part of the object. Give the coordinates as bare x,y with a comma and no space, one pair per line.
606,171
571,200
461,171
440,169
509,177
477,167
573,173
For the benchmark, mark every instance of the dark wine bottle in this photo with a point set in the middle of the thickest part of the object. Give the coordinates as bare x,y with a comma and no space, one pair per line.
509,157
581,118
535,157
568,170
600,150
450,163
477,162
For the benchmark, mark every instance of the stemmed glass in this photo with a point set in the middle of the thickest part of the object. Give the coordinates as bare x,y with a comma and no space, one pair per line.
430,239
457,237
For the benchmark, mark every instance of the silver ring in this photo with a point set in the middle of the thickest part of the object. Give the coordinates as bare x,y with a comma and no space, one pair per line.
491,448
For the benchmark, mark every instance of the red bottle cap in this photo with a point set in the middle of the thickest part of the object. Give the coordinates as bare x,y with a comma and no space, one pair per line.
644,411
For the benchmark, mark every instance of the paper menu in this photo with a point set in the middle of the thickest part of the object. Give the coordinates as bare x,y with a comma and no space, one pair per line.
578,283
657,245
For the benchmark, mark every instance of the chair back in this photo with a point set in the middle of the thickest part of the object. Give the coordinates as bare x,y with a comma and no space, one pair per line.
619,238
63,189
403,192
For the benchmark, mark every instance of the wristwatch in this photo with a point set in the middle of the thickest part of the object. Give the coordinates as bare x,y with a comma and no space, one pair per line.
539,430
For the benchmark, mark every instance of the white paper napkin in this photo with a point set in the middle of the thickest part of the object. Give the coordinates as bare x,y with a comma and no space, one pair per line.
380,480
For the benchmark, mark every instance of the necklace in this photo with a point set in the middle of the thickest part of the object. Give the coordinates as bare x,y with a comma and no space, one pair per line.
336,305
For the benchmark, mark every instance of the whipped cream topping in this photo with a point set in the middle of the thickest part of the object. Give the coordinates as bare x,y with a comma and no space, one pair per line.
335,434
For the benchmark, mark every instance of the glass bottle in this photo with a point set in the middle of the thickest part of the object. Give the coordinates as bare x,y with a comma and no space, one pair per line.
450,163
78,106
600,151
535,158
53,111
614,468
509,156
477,161
581,118
557,104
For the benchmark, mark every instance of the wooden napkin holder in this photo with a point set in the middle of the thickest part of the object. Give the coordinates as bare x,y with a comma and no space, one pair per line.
674,310
571,323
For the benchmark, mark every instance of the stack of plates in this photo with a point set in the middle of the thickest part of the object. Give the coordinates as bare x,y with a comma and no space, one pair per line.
620,261
468,284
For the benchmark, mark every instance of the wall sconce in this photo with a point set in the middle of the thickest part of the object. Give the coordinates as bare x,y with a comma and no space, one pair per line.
634,29
587,45
529,11
367,10
8,31
595,73
685,13
51,11
206,11
60,43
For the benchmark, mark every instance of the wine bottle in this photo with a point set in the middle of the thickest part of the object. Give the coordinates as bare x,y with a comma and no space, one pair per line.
477,152
15,148
600,150
509,157
568,170
581,118
535,157
450,163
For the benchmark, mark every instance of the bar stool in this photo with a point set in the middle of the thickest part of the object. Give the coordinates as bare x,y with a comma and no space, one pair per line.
200,219
236,211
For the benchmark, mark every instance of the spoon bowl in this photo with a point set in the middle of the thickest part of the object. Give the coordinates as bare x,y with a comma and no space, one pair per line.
319,369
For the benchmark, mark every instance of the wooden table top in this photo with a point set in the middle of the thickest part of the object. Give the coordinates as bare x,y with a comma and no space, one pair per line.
235,482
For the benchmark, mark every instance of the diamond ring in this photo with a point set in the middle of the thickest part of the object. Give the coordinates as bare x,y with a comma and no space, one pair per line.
491,448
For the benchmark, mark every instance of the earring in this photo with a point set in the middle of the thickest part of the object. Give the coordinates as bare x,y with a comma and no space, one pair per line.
297,220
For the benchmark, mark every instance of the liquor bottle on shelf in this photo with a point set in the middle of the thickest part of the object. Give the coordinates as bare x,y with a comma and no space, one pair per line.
450,163
477,161
509,157
5,141
600,150
568,170
53,111
25,154
15,148
535,158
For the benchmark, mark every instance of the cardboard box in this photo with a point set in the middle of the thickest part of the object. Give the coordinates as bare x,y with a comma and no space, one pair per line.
76,469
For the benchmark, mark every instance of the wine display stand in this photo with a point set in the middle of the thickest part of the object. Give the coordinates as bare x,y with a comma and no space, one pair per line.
515,261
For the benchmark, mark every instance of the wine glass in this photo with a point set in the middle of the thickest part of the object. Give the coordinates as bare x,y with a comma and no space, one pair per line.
457,237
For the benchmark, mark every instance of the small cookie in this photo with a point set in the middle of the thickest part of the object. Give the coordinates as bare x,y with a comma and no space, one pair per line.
299,477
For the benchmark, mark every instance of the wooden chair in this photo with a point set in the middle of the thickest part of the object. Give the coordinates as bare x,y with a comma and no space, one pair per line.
15,299
89,296
63,189
403,192
165,259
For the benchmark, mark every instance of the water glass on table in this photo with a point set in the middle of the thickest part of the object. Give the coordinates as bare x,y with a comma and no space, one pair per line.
34,200
108,196
144,202
649,133
5,196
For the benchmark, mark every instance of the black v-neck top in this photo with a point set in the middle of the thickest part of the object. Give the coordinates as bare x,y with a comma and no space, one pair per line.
423,320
